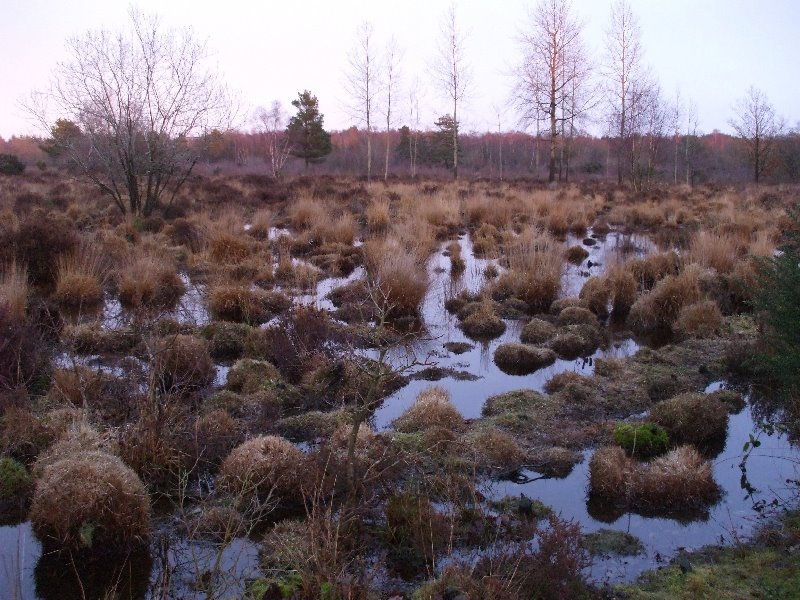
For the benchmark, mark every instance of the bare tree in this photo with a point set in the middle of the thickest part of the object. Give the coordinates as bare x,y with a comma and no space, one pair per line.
756,124
553,77
392,57
141,99
691,144
414,94
451,70
627,84
272,126
362,83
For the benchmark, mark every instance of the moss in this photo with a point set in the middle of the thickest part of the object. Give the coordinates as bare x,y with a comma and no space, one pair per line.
311,425
516,401
642,440
14,479
510,505
610,542
723,574
226,341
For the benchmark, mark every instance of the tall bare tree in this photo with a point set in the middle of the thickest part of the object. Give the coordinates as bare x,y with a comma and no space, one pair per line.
141,99
363,84
552,80
756,124
414,93
626,79
392,60
272,125
451,70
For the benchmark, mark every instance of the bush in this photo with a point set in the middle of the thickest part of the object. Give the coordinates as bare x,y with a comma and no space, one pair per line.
269,468
14,480
90,500
699,320
10,164
183,365
432,408
39,243
693,419
642,440
521,359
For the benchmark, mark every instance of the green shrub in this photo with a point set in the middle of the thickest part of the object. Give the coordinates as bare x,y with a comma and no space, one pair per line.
10,164
641,439
14,479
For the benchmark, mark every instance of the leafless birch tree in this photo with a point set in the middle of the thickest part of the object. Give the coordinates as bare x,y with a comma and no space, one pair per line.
141,99
756,124
452,71
363,84
272,126
392,60
552,80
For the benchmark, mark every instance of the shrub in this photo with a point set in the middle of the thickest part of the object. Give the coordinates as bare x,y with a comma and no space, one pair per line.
432,408
699,320
90,500
642,440
537,331
268,467
183,364
692,419
40,243
521,359
10,164
14,291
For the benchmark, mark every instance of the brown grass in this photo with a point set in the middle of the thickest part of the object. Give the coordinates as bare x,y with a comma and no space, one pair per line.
329,230
649,271
692,419
80,281
521,359
398,279
537,331
714,251
268,467
496,451
378,216
482,323
90,500
260,224
305,211
431,409
596,294
183,364
699,320
679,480
244,304
149,281
457,264
14,290
622,289
659,309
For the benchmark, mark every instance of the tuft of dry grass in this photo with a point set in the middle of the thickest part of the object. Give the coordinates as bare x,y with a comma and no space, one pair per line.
457,264
183,365
14,290
432,409
243,304
306,211
81,277
537,331
149,281
659,308
521,359
378,216
268,467
260,224
622,289
595,295
398,279
90,500
226,247
482,323
692,419
496,451
714,251
699,320
649,271
680,480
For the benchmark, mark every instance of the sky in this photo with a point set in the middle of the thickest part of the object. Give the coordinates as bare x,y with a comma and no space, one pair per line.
710,51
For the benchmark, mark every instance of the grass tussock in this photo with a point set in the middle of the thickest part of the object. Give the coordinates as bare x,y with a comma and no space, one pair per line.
268,467
183,365
14,290
244,304
398,279
496,451
522,359
714,251
695,419
90,500
149,281
457,264
482,323
378,216
431,409
699,320
680,480
81,277
660,308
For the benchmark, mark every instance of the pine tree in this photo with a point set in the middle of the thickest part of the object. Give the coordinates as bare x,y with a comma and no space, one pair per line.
307,138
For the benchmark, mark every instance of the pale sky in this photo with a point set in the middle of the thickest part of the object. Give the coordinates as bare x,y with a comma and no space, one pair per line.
710,50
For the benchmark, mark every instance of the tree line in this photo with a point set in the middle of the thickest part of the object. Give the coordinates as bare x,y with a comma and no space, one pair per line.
137,111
